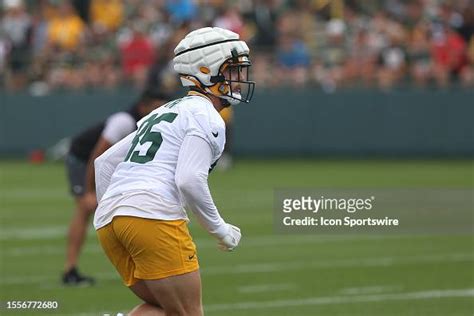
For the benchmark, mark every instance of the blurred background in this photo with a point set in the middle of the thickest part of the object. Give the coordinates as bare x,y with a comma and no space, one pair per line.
351,60
350,94
50,45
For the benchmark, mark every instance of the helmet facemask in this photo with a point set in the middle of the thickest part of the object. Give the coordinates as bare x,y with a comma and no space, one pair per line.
232,82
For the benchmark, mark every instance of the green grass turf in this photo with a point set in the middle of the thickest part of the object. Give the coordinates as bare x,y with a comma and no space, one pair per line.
270,274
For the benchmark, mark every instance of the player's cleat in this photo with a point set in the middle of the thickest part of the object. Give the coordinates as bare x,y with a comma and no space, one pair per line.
74,278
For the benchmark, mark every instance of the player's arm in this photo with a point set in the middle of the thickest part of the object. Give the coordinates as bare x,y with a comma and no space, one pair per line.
105,164
117,127
195,158
101,146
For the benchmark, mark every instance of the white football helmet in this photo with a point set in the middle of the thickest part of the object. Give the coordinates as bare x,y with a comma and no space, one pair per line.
215,61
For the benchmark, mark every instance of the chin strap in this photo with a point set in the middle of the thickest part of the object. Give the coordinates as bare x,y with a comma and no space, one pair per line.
226,102
194,86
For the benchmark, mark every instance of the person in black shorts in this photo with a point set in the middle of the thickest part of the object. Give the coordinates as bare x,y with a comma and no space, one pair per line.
85,147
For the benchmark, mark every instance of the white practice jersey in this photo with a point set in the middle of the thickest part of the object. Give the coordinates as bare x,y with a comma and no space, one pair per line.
137,175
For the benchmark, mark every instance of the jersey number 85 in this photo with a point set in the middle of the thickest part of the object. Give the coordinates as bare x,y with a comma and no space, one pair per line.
145,135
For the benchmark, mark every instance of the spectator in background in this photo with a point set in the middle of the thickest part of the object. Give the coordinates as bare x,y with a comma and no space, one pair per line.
333,55
16,25
419,54
361,63
392,61
448,54
67,46
106,15
41,15
3,59
293,60
263,70
66,31
39,66
162,73
264,20
82,8
137,55
230,18
467,32
292,55
346,43
181,11
467,74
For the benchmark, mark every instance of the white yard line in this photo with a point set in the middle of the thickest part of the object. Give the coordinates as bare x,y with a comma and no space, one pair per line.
325,300
338,263
277,267
313,301
264,288
59,231
36,193
34,233
371,289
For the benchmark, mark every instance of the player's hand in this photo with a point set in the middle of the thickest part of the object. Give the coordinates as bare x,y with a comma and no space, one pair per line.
231,240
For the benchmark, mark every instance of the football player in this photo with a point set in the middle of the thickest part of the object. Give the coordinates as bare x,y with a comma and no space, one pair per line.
85,147
146,181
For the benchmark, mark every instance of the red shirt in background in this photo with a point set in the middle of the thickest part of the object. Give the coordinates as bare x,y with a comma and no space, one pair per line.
450,51
137,54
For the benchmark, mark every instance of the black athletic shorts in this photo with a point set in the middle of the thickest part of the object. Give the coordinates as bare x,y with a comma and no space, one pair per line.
76,170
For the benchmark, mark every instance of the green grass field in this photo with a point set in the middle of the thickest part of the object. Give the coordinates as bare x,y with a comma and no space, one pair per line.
270,274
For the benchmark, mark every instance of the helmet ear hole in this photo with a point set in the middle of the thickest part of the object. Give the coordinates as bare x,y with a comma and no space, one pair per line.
204,70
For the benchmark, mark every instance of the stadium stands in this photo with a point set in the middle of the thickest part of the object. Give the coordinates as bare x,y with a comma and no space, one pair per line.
60,44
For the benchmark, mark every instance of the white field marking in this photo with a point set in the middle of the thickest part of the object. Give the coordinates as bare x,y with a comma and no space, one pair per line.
261,241
330,300
325,300
36,233
58,231
93,314
39,215
371,289
272,267
36,193
201,244
338,263
47,250
259,288
63,192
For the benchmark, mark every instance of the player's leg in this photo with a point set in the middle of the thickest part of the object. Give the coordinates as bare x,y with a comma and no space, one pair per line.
125,266
146,309
165,259
141,290
151,305
179,294
77,230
